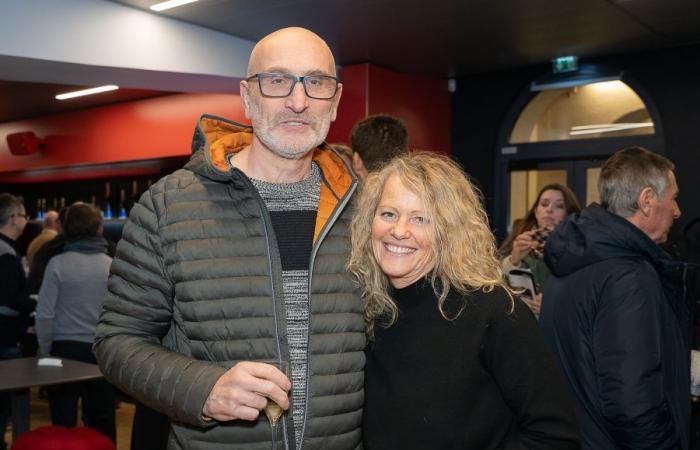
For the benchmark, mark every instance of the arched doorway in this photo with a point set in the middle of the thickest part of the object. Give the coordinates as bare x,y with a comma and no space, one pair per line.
564,135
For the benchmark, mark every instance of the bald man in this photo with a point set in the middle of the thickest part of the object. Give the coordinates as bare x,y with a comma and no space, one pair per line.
50,228
228,294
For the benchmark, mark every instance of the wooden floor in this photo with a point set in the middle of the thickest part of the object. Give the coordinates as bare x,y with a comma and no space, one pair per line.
40,417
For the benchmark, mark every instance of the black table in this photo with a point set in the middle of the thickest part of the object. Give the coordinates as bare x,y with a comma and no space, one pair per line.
24,372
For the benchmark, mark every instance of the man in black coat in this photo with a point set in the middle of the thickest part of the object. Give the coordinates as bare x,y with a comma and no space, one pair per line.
15,307
616,314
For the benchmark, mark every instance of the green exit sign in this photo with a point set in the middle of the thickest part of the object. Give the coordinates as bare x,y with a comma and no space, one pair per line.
565,64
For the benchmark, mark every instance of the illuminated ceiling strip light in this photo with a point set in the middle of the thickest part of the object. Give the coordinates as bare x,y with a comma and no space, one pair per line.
162,6
608,125
609,129
96,90
602,130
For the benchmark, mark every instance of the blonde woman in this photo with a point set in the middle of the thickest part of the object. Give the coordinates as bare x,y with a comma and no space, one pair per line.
455,361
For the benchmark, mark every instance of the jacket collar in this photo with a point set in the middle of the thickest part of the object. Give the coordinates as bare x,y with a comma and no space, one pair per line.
6,241
595,235
216,138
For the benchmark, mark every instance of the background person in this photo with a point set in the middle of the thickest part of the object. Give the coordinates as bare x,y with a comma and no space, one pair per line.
70,302
50,249
455,361
616,314
51,226
524,246
15,307
375,140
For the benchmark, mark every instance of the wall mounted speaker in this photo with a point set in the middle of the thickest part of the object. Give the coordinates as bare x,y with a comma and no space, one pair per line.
25,143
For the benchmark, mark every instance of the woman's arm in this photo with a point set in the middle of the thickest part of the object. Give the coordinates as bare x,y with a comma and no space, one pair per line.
530,381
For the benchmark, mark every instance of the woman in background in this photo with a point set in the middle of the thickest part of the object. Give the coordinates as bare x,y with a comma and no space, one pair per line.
70,302
455,362
524,246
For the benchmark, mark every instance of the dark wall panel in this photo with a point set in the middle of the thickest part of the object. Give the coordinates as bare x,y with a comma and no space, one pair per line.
670,78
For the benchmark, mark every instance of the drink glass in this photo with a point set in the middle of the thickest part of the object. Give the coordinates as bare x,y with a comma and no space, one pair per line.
272,410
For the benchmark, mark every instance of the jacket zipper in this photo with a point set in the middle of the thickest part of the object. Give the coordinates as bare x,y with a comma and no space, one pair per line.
266,222
331,220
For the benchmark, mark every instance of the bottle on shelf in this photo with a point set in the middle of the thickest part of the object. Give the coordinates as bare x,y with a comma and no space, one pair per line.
122,209
107,210
42,209
134,197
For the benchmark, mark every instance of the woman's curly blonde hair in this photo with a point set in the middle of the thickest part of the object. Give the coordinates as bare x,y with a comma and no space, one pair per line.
464,249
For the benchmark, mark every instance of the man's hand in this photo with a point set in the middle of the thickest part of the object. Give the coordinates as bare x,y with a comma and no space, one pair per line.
242,392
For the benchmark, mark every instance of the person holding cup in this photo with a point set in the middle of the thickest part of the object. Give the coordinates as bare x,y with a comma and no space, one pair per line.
522,250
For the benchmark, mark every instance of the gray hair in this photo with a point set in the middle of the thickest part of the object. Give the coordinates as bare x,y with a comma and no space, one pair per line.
626,173
9,205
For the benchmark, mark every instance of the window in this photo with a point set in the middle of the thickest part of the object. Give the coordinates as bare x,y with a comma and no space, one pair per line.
593,111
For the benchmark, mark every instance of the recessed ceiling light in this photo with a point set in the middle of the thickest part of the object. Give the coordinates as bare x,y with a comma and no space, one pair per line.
162,6
96,90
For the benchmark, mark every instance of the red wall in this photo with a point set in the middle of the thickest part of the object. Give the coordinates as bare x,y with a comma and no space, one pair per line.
423,103
139,130
354,104
162,127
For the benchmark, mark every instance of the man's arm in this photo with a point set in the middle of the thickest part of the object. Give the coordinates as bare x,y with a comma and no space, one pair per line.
136,315
12,292
41,259
627,349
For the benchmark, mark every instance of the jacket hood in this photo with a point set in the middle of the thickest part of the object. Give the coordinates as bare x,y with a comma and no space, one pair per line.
216,138
595,235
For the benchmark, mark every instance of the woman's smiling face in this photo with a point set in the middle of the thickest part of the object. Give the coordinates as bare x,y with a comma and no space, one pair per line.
401,235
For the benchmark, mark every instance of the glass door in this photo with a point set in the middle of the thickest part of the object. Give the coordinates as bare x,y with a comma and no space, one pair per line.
526,178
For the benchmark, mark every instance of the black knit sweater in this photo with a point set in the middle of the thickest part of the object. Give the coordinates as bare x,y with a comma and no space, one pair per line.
483,381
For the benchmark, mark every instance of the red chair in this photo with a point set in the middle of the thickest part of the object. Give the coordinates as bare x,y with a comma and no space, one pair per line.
61,438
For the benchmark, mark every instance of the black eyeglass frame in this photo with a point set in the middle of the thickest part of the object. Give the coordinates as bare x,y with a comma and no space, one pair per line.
25,216
294,79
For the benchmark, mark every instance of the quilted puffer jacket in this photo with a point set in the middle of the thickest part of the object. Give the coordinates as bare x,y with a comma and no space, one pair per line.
196,286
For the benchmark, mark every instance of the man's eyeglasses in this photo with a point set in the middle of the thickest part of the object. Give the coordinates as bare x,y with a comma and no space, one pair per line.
22,215
322,87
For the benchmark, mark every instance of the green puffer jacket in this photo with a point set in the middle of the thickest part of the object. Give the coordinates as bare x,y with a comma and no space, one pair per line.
196,286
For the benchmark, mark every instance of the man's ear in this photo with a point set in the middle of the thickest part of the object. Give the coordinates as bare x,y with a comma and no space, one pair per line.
336,102
645,200
246,100
358,166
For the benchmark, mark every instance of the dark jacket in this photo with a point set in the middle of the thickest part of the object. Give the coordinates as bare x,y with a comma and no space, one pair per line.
615,314
196,286
15,305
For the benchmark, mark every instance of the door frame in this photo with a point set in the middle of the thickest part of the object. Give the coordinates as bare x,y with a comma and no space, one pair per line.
581,150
